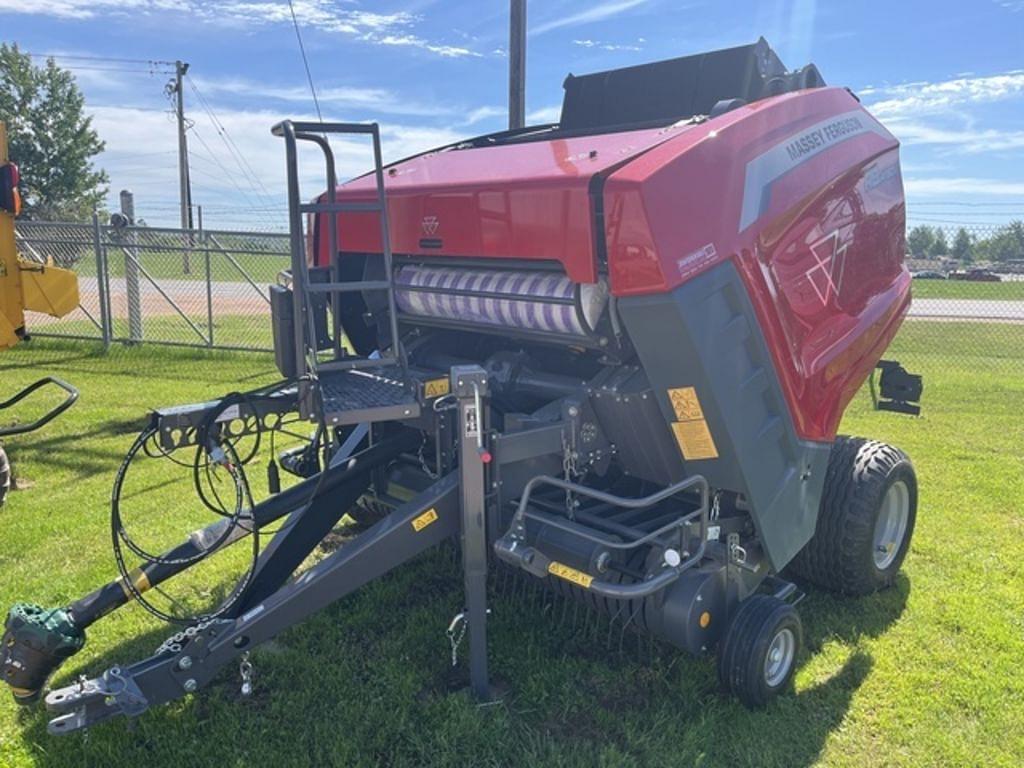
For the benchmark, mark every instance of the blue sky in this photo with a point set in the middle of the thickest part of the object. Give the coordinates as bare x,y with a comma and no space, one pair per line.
946,76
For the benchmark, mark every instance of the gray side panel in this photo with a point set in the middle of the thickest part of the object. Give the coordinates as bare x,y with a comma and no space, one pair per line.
705,335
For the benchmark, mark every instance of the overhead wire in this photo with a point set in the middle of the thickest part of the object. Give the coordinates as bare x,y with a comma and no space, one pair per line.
305,60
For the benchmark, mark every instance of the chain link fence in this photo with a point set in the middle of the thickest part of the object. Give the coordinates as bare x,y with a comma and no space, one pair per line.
209,288
203,288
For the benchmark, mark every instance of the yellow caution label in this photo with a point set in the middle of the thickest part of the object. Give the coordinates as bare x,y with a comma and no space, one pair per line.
424,520
695,440
570,574
686,404
436,388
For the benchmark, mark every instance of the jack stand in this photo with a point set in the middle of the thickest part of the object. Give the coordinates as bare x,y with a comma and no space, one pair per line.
469,385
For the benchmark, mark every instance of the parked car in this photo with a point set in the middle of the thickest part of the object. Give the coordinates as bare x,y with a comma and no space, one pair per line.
975,276
929,274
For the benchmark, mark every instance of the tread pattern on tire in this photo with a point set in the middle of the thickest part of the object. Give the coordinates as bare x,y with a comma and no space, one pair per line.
738,671
831,559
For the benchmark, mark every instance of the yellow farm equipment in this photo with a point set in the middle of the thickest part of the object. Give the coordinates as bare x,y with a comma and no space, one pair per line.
26,285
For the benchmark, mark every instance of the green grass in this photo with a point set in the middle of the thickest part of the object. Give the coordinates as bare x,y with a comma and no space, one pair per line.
964,289
262,269
248,332
925,674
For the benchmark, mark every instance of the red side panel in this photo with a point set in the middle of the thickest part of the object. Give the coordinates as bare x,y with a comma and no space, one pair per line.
521,201
804,192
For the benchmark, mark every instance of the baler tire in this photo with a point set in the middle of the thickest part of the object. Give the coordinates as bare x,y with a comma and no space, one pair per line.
743,656
841,556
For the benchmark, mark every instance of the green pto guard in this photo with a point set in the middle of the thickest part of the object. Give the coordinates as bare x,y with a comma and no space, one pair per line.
36,641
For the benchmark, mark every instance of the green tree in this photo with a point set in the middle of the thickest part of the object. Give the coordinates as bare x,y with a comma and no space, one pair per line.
50,138
920,241
963,246
939,246
1005,244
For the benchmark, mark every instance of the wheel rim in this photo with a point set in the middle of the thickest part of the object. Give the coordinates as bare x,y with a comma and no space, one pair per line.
780,657
891,525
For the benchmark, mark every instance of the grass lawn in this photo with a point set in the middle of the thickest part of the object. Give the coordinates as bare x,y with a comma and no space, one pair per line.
926,674
964,289
261,268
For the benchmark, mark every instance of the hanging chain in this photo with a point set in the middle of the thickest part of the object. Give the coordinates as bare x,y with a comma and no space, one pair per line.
423,461
245,670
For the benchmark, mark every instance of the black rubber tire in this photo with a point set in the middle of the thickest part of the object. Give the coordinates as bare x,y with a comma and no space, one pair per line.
744,649
840,556
5,476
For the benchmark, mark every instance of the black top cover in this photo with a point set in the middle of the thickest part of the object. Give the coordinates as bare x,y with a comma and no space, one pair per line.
680,88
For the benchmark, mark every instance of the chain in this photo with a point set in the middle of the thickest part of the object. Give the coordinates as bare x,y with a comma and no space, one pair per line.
245,670
570,472
176,642
423,461
456,633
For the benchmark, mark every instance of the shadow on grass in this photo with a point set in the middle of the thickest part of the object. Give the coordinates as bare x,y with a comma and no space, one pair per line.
75,452
571,699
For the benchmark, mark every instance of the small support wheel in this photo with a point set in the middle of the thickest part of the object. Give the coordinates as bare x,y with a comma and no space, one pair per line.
757,658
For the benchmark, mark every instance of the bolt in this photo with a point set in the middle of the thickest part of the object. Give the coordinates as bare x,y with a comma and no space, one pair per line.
190,685
185,662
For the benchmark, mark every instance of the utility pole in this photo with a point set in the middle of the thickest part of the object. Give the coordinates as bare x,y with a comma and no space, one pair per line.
185,188
517,65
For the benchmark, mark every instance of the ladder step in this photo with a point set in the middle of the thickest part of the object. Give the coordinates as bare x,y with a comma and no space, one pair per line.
358,363
365,285
340,207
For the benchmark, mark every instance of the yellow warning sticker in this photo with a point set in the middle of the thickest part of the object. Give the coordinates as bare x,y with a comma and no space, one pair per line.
570,574
686,404
436,388
695,440
424,520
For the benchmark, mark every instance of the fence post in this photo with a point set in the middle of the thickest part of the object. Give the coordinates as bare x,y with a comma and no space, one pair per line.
102,281
131,269
209,278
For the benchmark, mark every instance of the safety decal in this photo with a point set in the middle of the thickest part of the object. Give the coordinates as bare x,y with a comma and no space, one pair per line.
691,428
685,403
421,522
570,574
695,440
436,388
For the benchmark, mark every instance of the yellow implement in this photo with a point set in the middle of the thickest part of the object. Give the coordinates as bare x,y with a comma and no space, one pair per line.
25,285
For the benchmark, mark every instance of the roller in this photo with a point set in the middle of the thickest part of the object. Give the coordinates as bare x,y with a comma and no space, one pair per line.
536,301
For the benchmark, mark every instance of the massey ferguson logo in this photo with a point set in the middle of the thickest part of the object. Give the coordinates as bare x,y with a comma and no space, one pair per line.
826,275
429,225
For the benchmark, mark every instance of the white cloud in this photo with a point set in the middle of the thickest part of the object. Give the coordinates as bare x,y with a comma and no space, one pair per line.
915,99
550,114
606,46
219,183
962,187
599,12
485,113
340,96
392,29
967,141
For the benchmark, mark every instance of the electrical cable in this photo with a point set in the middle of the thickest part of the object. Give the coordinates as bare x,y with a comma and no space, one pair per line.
305,61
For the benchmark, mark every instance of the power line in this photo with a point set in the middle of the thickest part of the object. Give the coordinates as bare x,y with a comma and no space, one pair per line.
237,155
99,58
305,61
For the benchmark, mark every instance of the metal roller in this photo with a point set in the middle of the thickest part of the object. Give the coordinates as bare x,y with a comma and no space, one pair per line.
534,301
